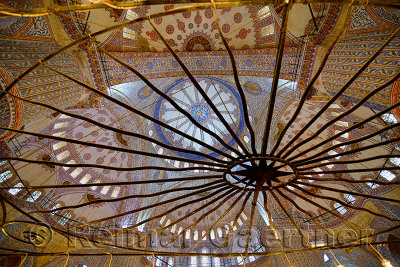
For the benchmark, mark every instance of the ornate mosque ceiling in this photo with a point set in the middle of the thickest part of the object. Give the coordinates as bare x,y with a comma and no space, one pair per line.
140,149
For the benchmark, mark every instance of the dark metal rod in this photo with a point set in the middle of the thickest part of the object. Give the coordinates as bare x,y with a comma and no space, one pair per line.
130,196
114,148
253,208
351,170
53,163
168,180
360,103
238,85
183,205
336,96
355,126
287,214
348,205
235,221
205,215
353,244
169,99
347,192
220,218
277,71
203,94
121,131
351,151
334,213
151,206
144,115
348,161
351,181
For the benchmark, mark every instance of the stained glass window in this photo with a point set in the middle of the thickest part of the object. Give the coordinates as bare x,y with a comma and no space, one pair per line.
339,208
85,179
69,162
116,191
76,172
389,118
34,197
60,125
395,161
263,12
342,123
59,145
63,155
60,134
64,218
350,198
15,190
387,175
267,30
5,175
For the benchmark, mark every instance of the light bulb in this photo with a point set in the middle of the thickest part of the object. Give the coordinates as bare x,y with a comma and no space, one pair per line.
340,265
386,263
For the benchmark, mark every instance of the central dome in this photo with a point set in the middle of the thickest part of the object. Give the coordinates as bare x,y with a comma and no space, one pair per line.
225,98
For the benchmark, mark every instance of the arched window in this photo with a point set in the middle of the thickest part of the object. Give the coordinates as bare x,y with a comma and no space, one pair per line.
389,118
105,189
339,208
76,172
65,218
158,260
116,191
244,216
162,219
60,125
63,116
35,195
94,187
350,198
342,123
60,134
173,228
205,260
171,262
187,234
196,235
58,205
69,162
387,175
203,233
193,261
395,161
59,145
219,232
15,190
85,179
63,155
2,162
263,12
180,230
168,222
5,176
212,235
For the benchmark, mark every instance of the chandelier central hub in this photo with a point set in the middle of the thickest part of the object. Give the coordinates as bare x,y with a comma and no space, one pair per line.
260,173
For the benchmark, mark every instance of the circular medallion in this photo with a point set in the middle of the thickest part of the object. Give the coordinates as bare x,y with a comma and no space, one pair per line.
252,87
144,93
200,113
